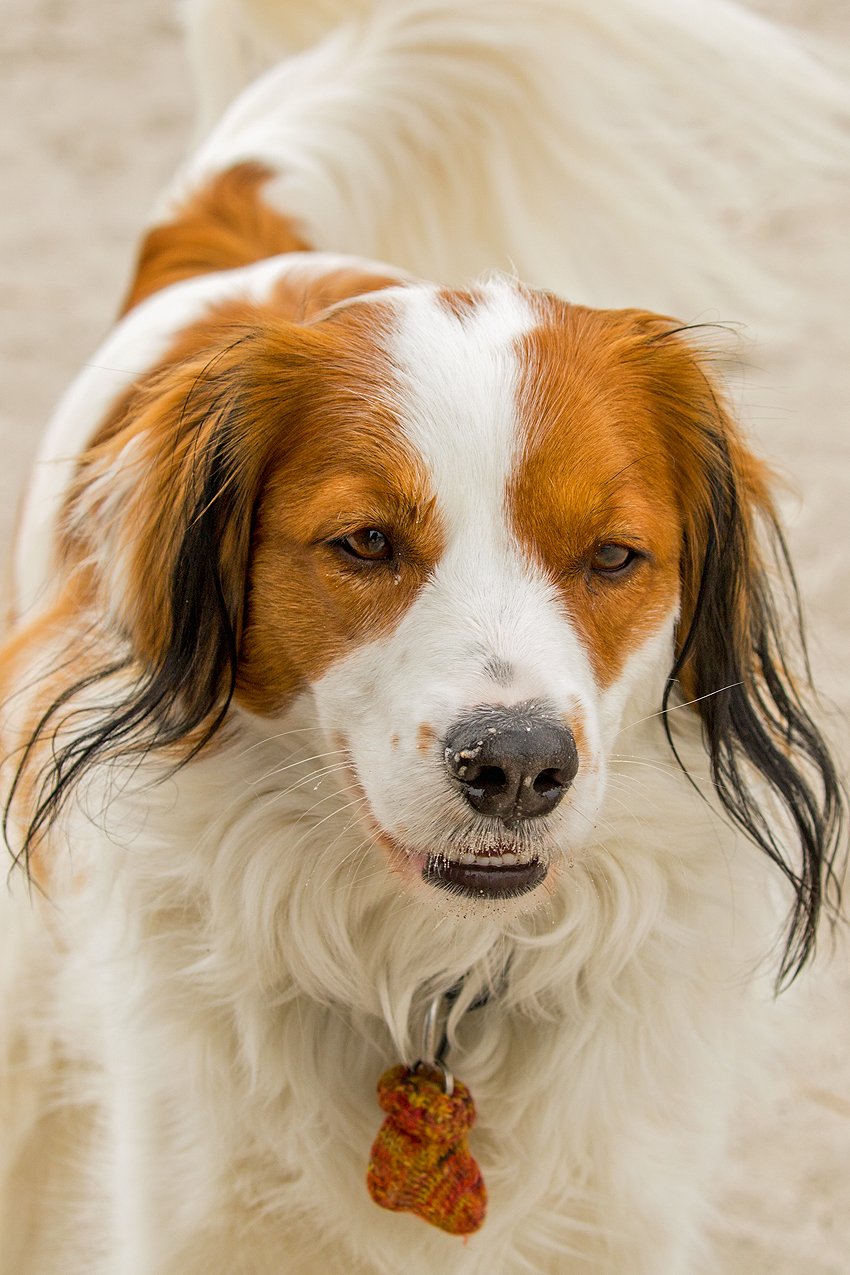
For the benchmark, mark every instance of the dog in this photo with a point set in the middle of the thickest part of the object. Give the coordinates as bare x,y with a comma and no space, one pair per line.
399,672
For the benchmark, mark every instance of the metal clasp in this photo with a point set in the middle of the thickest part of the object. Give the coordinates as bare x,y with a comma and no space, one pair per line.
428,1057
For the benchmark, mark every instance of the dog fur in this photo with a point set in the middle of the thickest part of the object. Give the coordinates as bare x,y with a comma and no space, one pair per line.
226,713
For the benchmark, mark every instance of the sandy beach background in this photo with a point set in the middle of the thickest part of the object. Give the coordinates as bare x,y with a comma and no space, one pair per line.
96,112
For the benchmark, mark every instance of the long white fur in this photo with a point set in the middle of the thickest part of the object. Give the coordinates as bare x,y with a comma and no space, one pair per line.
630,152
191,1041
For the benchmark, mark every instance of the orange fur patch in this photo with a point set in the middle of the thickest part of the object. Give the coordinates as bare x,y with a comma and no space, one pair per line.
302,299
623,430
595,470
29,682
223,225
344,466
461,303
575,720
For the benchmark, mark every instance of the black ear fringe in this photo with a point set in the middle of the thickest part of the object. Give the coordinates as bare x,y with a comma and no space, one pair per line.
188,692
755,725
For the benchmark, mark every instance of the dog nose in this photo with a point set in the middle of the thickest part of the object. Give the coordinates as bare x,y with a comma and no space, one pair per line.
511,763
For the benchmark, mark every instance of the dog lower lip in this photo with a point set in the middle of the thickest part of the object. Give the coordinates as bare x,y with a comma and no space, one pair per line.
484,881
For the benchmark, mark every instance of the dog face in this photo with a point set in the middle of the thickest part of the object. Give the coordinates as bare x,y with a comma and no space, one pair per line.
478,527
500,539
465,536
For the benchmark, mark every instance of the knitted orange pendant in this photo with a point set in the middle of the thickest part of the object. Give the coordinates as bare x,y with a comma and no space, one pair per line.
420,1161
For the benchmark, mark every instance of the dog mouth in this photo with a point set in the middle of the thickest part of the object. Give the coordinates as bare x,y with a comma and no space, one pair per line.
491,876
501,871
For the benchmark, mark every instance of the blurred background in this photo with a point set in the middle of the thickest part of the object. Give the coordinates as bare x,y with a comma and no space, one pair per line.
96,112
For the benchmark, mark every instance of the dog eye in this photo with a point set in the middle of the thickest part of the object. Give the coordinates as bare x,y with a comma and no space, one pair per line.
612,558
368,544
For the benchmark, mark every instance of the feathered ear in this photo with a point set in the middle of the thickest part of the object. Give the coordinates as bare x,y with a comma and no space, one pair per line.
740,634
164,499
159,524
162,511
158,528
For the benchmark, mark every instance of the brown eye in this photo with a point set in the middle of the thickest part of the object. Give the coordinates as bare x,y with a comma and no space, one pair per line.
368,544
612,558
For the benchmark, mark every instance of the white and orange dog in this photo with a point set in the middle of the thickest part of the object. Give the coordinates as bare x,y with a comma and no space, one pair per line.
379,640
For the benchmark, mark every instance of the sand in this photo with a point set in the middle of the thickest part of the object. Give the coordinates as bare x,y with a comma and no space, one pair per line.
96,112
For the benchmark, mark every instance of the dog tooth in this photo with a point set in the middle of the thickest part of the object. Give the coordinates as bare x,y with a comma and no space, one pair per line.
509,858
467,858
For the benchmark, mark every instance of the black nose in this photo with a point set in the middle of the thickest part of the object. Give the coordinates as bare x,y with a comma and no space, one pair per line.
512,763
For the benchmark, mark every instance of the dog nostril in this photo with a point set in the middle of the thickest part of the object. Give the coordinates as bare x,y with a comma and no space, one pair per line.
489,778
547,781
511,763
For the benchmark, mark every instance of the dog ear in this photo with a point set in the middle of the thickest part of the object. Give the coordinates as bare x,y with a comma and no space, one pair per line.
740,635
159,526
170,484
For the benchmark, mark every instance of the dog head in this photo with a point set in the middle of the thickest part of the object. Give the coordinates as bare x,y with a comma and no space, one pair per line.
477,526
